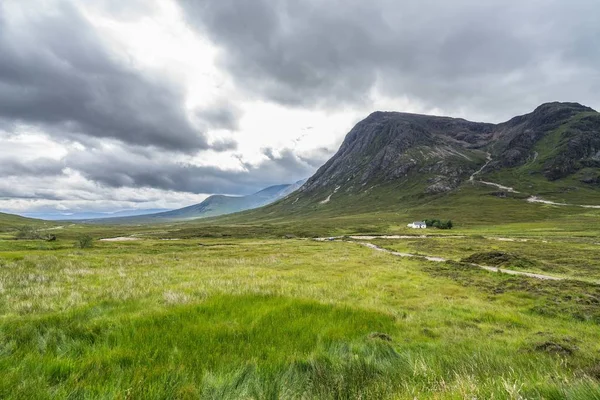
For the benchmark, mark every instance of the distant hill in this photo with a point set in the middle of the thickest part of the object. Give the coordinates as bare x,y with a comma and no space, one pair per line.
9,222
212,206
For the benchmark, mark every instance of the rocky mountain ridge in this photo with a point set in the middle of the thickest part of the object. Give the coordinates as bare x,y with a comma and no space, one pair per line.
434,154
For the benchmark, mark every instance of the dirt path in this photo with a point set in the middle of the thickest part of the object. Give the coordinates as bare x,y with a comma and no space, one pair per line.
120,239
489,160
408,237
437,259
53,228
535,199
497,185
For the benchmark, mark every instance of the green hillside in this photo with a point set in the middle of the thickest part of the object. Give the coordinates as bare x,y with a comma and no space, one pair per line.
9,222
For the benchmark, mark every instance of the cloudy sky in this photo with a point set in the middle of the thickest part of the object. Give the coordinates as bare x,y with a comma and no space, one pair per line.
108,105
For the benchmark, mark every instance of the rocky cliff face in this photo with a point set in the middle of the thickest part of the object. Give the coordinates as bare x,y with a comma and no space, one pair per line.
557,138
388,146
515,140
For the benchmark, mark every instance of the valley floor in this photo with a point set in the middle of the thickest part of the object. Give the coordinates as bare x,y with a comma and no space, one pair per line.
226,318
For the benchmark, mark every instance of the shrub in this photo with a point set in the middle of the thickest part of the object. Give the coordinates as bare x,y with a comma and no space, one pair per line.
439,224
27,232
84,242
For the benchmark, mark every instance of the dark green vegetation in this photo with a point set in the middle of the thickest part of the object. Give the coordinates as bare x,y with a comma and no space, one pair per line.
84,242
438,223
500,259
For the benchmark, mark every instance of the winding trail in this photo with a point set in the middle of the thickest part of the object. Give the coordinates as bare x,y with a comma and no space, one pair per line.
489,160
535,199
497,185
440,260
431,258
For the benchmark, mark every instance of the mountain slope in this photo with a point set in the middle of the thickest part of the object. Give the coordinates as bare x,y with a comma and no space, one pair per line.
213,206
9,222
390,147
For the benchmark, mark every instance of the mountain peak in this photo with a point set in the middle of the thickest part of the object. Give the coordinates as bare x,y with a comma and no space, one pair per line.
556,106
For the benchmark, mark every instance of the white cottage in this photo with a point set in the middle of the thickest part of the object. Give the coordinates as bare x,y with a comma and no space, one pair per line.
418,225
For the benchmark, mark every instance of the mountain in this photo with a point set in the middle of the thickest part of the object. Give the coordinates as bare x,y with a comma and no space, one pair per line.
399,158
214,206
58,216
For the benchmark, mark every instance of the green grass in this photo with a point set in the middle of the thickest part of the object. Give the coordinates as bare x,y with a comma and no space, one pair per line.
272,318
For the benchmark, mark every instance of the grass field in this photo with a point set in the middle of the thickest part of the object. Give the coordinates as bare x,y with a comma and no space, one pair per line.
231,309
263,317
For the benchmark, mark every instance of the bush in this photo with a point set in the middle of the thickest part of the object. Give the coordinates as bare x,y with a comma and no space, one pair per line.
439,224
27,232
84,242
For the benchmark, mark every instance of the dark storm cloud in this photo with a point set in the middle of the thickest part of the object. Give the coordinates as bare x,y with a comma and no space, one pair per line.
493,58
56,73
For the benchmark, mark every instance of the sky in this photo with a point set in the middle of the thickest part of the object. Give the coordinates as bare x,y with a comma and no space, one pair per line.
109,105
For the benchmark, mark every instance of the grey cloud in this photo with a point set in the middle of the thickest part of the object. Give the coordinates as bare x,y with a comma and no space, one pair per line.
57,73
222,115
493,58
46,167
20,192
317,157
124,168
